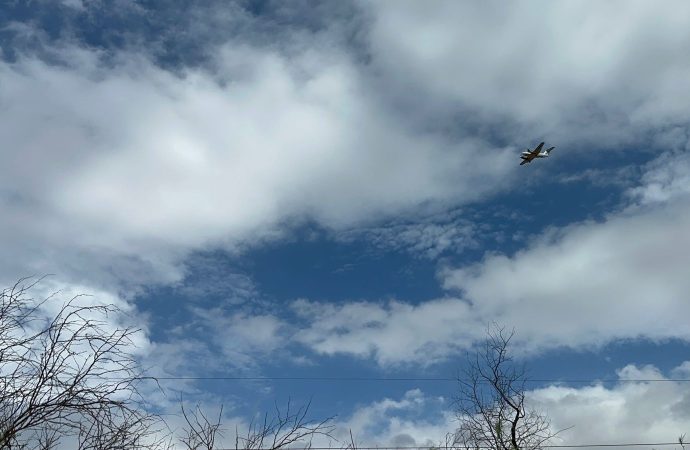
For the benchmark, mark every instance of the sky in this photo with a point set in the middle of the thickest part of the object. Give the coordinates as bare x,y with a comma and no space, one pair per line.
332,189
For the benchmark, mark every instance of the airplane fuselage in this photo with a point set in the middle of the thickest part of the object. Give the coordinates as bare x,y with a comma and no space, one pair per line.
529,155
542,154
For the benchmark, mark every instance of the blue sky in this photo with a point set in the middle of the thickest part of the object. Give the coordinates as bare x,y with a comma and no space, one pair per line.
325,189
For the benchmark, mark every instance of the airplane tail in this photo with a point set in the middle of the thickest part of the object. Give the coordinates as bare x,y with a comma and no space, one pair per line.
548,150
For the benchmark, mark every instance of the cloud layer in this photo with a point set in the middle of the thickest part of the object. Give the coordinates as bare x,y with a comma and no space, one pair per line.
581,286
114,163
133,162
115,169
596,73
584,285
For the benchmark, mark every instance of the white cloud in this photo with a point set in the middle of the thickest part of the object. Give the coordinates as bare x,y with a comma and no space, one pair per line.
414,419
592,71
626,412
241,333
127,165
113,172
666,179
565,291
584,285
429,236
621,413
392,333
124,168
52,295
565,288
215,340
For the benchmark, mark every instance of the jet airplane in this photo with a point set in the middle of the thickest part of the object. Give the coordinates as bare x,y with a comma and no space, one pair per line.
528,155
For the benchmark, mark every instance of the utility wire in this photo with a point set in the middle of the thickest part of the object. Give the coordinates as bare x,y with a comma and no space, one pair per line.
429,379
441,447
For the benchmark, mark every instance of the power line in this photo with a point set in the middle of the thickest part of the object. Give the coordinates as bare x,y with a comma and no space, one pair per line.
441,447
387,379
634,444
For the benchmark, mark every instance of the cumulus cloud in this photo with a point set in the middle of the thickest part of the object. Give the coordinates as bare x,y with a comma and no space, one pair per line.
241,336
620,413
115,169
414,419
113,163
625,412
666,179
630,268
392,333
562,289
142,165
589,72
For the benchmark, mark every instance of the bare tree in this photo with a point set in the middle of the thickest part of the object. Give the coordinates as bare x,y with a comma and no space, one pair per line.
200,433
491,402
278,432
69,374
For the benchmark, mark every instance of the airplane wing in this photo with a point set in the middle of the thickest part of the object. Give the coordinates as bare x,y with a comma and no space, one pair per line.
528,157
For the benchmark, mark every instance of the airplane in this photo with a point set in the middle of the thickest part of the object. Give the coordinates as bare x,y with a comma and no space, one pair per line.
528,155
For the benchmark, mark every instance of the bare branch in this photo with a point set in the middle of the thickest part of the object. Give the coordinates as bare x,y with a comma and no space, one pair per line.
200,433
490,405
69,374
284,429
